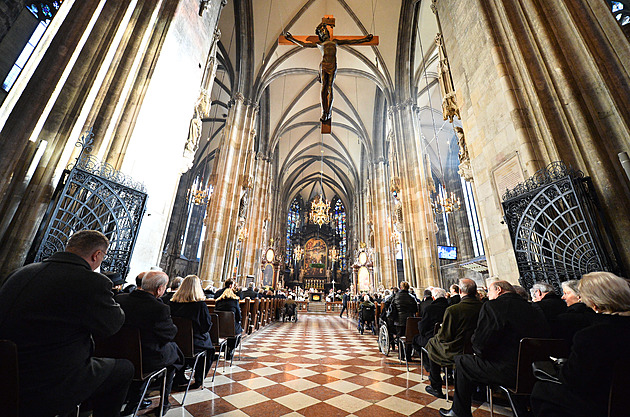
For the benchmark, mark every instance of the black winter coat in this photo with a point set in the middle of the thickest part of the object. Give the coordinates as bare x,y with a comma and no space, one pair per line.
157,330
433,314
201,321
405,305
51,310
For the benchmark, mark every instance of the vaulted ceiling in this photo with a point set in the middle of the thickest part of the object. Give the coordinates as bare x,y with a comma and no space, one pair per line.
283,81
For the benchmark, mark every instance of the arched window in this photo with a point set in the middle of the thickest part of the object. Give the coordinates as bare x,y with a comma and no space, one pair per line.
339,218
292,220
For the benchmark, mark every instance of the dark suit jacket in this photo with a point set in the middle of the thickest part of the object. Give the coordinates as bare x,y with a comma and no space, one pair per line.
502,324
157,331
51,310
434,313
248,293
201,321
454,299
405,305
551,306
426,302
460,321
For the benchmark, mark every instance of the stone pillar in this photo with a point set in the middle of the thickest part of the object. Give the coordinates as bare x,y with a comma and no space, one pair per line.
236,143
257,221
419,244
381,212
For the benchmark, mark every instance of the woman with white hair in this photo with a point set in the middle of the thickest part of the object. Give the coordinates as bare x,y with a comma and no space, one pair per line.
577,316
587,374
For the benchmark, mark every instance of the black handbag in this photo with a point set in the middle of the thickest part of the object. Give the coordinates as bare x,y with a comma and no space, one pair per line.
548,370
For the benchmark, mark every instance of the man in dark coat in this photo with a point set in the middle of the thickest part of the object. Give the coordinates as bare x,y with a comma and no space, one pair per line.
547,301
455,297
344,304
433,314
405,306
249,292
53,331
145,311
460,321
503,321
427,299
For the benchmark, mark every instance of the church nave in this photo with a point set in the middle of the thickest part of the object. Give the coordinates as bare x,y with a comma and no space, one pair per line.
319,366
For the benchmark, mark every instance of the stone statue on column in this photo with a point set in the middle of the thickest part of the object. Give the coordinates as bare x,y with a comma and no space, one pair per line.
465,170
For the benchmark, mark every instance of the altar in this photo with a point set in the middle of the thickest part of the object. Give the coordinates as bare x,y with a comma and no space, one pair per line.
316,297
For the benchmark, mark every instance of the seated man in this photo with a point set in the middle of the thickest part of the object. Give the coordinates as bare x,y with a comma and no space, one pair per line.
249,292
503,321
547,301
144,310
460,321
433,315
53,331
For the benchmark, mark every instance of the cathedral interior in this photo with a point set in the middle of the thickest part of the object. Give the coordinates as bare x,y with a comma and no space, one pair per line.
468,139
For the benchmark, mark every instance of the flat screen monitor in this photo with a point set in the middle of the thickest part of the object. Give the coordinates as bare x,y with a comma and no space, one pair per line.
447,252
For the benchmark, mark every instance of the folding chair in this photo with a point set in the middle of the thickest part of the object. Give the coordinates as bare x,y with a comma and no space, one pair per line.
227,330
185,341
411,329
126,344
216,341
530,350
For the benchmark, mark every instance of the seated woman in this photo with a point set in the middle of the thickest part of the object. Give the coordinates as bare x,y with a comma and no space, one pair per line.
587,374
578,315
228,301
189,302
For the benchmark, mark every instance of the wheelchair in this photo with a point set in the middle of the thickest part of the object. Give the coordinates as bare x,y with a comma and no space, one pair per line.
289,312
387,339
366,319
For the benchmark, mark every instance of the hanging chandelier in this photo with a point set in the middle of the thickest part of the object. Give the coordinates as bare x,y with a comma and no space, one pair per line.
320,211
445,204
298,252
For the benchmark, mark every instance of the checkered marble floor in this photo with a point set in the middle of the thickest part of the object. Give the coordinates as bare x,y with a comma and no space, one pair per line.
319,366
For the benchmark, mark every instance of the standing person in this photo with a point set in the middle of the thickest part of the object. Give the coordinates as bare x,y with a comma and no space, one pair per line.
145,311
503,321
54,332
344,305
228,301
189,301
405,306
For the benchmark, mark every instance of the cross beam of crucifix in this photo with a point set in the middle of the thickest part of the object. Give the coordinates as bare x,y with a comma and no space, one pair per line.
327,45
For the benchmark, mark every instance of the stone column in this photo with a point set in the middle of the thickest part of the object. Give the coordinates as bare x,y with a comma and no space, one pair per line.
257,222
419,244
223,211
381,212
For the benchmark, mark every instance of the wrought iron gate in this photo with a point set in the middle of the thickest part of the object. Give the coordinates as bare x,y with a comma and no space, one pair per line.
555,228
94,196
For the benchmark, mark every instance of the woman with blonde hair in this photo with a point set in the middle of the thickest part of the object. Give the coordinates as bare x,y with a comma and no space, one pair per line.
586,376
228,301
189,302
577,315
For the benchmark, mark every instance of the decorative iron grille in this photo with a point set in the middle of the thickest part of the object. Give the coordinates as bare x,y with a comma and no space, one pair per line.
554,226
97,197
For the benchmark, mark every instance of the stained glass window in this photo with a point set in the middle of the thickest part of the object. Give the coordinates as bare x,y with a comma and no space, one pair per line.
292,221
339,218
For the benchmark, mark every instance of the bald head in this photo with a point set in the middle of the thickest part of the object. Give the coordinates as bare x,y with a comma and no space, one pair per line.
467,287
155,282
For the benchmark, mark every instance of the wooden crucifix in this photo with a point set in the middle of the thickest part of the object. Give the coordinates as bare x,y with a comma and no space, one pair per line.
327,45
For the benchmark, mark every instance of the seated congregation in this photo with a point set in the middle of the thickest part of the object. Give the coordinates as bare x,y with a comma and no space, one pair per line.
483,340
99,347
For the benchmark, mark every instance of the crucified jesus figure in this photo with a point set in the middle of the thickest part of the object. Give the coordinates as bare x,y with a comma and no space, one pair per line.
327,45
